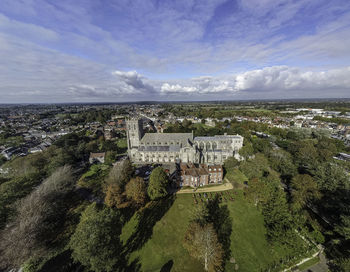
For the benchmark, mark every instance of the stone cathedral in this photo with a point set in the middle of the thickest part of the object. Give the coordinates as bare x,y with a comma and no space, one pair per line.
179,147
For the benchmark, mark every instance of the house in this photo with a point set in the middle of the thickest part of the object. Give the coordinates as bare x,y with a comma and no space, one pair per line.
97,157
200,175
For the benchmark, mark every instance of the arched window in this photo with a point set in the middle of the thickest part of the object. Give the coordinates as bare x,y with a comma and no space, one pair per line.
207,145
214,145
201,146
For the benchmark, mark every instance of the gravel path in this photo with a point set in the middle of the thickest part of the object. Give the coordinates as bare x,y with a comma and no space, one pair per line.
223,187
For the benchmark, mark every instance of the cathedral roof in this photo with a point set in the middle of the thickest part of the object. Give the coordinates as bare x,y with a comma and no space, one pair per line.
165,139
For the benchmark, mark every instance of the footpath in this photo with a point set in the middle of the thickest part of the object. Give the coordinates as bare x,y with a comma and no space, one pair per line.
207,189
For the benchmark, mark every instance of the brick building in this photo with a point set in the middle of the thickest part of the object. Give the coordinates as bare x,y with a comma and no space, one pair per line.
199,175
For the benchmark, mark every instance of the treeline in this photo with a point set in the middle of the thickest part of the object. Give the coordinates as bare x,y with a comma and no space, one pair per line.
337,120
92,115
49,222
301,162
25,173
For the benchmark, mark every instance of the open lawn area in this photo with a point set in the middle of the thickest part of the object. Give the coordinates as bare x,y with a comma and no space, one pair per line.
236,177
154,237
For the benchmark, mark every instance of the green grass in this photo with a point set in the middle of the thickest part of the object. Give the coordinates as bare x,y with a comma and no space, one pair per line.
122,143
236,177
248,243
309,263
94,177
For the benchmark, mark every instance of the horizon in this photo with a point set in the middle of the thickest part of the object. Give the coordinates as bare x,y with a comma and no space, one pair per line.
135,51
282,100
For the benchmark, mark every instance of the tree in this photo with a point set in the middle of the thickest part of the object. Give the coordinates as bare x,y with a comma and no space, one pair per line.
257,192
158,183
344,227
40,216
231,163
256,167
95,242
120,174
331,177
136,190
115,197
247,150
282,162
278,220
202,244
2,159
304,189
261,145
306,156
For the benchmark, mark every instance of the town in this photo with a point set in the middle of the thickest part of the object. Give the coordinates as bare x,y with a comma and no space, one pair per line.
163,161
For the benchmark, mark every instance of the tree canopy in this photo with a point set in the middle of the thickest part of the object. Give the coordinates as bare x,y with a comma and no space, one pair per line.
95,242
158,183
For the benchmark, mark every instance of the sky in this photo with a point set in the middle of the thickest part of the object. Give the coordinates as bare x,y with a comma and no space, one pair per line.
166,50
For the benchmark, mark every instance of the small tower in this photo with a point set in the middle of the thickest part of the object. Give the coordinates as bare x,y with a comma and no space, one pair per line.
134,132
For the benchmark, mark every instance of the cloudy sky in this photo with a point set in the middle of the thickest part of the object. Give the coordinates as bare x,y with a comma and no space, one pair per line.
119,50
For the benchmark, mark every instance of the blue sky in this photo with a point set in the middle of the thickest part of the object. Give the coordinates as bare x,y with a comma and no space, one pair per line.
105,50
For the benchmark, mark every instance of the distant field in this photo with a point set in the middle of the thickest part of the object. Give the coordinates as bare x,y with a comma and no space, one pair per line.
164,246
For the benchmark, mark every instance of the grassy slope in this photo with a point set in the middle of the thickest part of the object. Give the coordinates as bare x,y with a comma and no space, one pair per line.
248,244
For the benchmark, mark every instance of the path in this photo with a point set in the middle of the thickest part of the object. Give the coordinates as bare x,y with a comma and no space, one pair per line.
214,188
321,266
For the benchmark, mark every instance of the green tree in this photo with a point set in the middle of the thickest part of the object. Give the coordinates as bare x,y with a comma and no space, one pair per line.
257,192
95,242
304,189
282,162
278,220
231,163
158,183
331,177
202,244
247,150
307,156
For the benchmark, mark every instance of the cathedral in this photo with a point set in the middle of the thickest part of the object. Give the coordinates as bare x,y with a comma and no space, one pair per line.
179,147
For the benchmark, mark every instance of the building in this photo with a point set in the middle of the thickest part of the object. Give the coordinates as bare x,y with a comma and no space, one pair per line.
179,147
199,175
97,157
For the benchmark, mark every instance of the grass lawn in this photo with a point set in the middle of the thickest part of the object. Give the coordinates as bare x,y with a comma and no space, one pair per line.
235,176
164,246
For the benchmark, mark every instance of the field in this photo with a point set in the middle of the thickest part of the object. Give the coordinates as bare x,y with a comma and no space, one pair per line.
154,237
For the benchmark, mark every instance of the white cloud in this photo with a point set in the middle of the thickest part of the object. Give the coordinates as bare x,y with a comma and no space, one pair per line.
276,82
176,89
133,81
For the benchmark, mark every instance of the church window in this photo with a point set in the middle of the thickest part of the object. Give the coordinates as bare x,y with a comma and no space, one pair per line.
208,145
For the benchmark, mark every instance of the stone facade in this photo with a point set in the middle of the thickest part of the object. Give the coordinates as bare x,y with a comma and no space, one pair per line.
179,147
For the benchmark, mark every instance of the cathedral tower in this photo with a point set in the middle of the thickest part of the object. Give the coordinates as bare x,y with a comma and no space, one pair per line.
134,132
